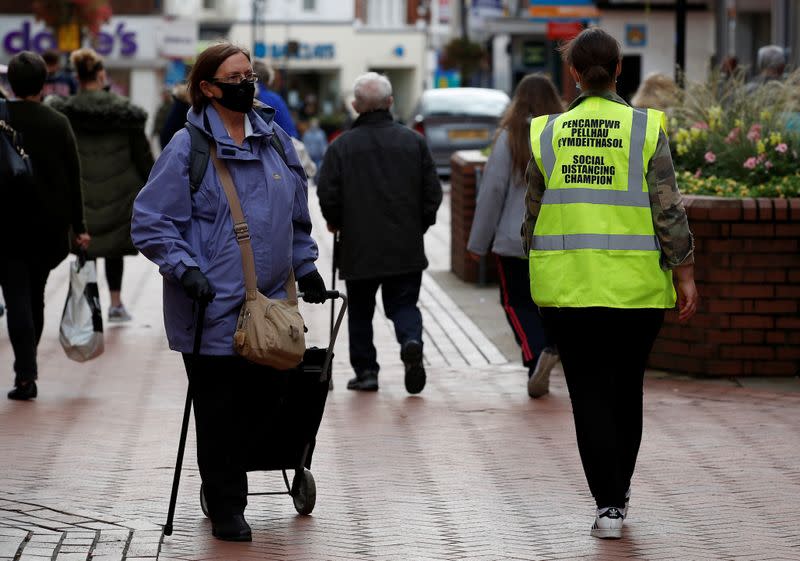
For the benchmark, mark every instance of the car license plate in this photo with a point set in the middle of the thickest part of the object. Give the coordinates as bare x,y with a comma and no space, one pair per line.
468,134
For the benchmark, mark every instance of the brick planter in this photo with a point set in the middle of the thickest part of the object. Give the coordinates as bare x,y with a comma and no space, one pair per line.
747,268
465,165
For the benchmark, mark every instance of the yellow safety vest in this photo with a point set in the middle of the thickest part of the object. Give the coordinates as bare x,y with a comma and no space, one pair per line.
594,242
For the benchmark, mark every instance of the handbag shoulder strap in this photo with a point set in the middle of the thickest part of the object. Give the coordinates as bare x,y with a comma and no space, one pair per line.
242,232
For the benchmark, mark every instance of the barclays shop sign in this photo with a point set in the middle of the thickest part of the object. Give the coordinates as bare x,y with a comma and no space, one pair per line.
295,50
129,38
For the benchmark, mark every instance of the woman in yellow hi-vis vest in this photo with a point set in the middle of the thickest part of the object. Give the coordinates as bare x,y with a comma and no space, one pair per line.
605,231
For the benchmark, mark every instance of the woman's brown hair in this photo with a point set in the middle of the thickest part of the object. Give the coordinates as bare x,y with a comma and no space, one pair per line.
535,95
206,66
87,64
594,54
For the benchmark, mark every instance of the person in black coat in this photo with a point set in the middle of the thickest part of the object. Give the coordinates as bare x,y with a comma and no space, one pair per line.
37,215
380,192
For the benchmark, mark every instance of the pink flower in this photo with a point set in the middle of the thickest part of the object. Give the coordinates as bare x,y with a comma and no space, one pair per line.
700,125
698,173
750,163
767,164
782,148
732,136
710,157
754,134
761,157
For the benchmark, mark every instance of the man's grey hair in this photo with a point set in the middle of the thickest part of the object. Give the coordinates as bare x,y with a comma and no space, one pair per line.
265,72
771,57
372,91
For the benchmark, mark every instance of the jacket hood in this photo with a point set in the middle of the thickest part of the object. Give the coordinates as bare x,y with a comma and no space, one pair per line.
100,110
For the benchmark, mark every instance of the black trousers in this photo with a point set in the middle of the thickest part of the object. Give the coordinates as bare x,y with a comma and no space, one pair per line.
23,285
604,352
114,268
522,314
227,396
400,296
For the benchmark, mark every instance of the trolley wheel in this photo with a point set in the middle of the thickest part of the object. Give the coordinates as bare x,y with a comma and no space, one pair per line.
306,495
203,502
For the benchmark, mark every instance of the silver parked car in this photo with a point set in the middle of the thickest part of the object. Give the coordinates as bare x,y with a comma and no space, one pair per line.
453,119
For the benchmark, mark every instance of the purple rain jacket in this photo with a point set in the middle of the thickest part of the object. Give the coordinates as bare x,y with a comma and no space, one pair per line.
177,229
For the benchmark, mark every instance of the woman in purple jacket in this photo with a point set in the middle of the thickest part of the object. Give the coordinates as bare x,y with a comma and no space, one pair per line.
190,236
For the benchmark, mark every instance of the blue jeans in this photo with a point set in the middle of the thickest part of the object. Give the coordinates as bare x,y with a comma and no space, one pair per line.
400,295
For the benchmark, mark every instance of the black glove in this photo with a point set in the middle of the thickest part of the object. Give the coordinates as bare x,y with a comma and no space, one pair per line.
313,287
196,285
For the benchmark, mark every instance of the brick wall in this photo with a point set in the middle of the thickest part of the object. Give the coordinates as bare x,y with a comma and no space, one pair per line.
463,167
747,269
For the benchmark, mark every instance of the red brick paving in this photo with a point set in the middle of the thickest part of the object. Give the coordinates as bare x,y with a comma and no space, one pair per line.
470,469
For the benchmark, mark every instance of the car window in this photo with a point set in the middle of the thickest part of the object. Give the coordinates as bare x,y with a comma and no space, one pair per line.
480,103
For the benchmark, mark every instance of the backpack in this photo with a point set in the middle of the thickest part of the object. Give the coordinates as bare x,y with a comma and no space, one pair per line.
15,164
199,146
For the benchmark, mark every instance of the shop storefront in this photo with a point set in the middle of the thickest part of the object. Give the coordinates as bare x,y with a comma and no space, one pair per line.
129,45
318,63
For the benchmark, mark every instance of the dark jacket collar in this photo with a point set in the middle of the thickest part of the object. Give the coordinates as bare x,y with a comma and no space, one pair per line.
605,94
374,117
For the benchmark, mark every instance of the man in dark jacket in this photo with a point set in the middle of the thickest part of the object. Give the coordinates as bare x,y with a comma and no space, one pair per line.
36,216
379,190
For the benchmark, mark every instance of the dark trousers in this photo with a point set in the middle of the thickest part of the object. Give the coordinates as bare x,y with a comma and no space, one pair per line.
400,296
23,285
604,352
114,268
220,386
522,314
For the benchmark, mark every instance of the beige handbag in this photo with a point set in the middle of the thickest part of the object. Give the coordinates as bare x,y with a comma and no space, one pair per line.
269,331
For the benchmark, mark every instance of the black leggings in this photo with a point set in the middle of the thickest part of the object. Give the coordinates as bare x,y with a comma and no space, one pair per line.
114,267
604,352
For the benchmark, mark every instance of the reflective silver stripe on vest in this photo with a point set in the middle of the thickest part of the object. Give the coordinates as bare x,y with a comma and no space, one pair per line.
546,142
635,157
596,197
595,241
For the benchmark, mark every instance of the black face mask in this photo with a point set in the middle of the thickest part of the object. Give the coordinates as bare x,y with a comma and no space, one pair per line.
237,97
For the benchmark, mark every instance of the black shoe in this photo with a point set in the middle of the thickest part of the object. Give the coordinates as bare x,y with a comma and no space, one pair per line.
24,393
411,354
366,381
232,529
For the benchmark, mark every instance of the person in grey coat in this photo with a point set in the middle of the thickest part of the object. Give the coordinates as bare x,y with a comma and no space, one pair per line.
498,216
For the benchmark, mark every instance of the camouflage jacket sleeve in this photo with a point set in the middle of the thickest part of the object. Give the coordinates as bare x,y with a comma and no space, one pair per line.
533,202
669,216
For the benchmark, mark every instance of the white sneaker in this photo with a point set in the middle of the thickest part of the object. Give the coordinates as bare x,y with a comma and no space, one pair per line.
608,523
118,314
539,379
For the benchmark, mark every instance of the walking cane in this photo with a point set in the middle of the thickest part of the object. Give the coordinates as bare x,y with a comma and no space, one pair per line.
187,409
333,300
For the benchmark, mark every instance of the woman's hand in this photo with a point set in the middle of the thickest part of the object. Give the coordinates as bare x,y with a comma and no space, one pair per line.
83,240
687,292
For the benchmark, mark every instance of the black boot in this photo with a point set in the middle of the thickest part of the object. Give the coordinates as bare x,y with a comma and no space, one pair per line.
233,529
411,355
366,381
24,392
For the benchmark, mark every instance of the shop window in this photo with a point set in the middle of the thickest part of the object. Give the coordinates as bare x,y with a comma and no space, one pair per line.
309,5
209,4
386,13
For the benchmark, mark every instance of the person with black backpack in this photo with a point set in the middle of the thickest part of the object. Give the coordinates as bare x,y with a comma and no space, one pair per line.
38,213
182,221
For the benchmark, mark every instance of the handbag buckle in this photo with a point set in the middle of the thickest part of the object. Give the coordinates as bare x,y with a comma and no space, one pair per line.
242,232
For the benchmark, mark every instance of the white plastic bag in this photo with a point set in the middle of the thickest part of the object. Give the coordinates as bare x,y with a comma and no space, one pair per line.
81,332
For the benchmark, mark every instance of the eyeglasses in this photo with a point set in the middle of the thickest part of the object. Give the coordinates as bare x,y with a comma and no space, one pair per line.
237,79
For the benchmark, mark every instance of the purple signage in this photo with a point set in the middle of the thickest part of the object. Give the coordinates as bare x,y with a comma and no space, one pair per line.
24,39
